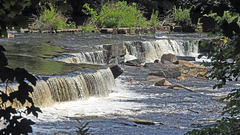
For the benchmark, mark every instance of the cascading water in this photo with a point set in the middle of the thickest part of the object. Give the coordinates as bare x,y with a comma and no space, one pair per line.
41,95
133,98
69,88
97,57
100,83
148,51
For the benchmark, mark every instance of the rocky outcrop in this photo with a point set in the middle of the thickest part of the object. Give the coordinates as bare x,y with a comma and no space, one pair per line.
191,65
164,70
169,58
180,70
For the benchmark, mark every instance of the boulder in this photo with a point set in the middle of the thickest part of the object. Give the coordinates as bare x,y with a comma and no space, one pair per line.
169,58
160,82
163,82
191,65
182,78
165,70
135,62
189,72
116,71
202,75
167,83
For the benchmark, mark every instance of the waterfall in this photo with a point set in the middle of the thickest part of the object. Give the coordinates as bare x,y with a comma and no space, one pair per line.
97,57
41,95
100,83
69,88
148,51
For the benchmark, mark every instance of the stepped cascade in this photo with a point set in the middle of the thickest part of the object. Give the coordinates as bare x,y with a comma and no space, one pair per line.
100,82
146,51
69,88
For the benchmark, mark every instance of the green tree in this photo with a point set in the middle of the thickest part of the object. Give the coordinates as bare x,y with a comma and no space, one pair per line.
11,14
225,59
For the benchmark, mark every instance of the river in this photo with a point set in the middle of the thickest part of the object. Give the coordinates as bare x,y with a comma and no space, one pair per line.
130,105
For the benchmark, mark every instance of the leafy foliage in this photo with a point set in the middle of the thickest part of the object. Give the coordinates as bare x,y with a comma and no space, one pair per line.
154,21
50,18
182,16
82,129
225,59
13,120
119,14
11,15
224,126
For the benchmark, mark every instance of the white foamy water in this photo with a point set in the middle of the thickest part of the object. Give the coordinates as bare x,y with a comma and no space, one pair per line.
56,119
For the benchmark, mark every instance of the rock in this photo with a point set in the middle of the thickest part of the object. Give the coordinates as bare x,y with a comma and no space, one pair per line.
182,78
156,61
154,78
135,62
167,83
159,81
189,72
162,82
202,75
191,65
184,68
115,50
166,70
116,71
169,58
177,86
186,58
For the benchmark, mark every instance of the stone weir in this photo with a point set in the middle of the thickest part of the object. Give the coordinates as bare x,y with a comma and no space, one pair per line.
68,88
144,51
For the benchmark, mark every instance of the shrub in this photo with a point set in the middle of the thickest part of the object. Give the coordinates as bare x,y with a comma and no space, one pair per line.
182,16
50,18
118,14
154,19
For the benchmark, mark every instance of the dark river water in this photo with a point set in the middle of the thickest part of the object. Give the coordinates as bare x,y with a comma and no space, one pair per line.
134,99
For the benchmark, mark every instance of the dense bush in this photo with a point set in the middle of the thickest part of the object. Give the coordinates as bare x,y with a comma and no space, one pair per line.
182,16
50,18
119,14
